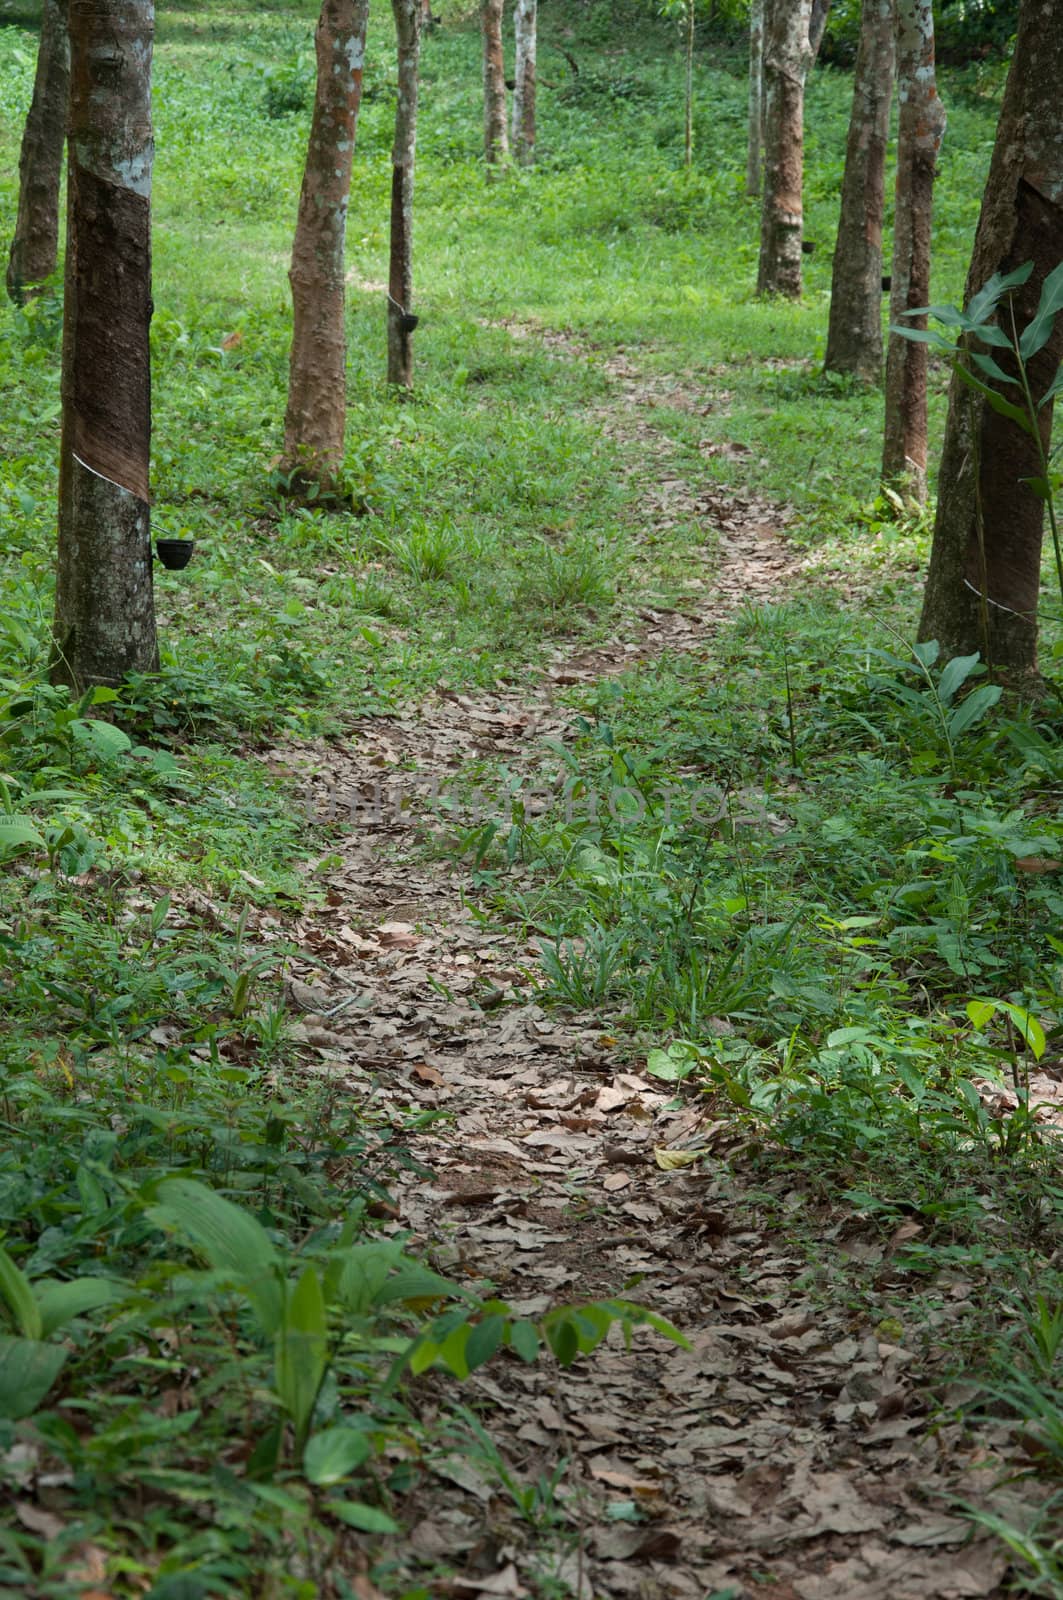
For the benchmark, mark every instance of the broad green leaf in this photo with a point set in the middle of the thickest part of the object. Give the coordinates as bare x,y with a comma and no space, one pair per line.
1041,487
983,304
995,400
415,1282
921,335
971,710
484,1340
993,368
524,1339
18,833
979,1012
452,1351
356,1515
28,1368
1026,1025
302,1349
926,652
956,672
102,738
60,1303
333,1454
1037,333
231,1239
17,1295
1054,388
365,1271
673,1064
563,1339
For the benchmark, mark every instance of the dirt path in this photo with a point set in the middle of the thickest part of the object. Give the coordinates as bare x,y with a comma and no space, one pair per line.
786,1453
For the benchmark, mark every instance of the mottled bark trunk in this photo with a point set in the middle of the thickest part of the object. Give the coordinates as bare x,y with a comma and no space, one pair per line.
786,61
496,143
983,584
401,321
854,339
817,26
920,131
754,155
317,385
525,30
688,119
35,246
104,609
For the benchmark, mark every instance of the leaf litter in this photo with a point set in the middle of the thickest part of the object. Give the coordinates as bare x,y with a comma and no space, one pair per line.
788,1450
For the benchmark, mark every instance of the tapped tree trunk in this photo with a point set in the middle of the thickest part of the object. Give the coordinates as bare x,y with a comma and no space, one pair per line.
817,25
920,132
104,609
525,27
854,339
401,321
983,584
496,144
756,98
317,385
35,246
688,123
787,56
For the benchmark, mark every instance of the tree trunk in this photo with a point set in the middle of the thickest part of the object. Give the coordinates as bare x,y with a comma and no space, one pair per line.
104,609
756,98
854,340
688,125
317,385
35,246
985,565
817,26
787,56
525,24
920,132
401,321
496,144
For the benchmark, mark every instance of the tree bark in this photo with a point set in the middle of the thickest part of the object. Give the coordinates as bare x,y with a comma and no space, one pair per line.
754,155
401,321
817,25
35,246
787,56
317,385
983,584
525,28
854,339
104,611
920,132
496,143
688,120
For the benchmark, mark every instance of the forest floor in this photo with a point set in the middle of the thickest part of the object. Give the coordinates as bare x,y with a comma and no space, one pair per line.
789,1450
558,868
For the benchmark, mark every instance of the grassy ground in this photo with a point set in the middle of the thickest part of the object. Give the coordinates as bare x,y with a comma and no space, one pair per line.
144,1032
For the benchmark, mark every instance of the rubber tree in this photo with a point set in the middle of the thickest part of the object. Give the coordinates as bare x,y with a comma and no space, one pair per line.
787,57
755,145
525,33
317,385
104,610
983,583
854,338
817,25
401,321
920,130
496,141
35,245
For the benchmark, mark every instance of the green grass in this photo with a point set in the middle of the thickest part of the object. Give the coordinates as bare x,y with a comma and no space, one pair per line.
836,917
